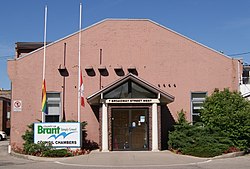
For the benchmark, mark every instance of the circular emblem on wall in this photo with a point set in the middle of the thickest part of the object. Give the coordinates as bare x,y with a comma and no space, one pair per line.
17,105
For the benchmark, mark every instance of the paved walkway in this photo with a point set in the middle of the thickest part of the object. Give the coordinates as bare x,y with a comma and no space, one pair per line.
126,159
131,159
117,158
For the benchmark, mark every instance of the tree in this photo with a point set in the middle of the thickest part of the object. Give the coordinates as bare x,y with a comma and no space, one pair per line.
228,113
196,140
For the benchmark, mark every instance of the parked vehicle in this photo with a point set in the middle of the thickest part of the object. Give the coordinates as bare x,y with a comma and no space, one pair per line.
2,135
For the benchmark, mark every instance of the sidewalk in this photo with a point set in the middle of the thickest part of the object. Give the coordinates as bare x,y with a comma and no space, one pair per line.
130,159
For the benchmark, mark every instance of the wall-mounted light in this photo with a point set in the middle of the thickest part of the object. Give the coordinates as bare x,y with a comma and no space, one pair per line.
103,70
63,71
132,69
119,71
90,70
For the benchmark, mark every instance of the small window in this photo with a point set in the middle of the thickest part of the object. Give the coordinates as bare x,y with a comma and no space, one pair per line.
54,107
52,118
245,76
197,99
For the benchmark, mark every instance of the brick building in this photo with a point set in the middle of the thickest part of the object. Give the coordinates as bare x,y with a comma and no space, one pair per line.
5,106
137,75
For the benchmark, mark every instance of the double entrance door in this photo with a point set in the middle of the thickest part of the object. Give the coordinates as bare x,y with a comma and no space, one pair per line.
129,129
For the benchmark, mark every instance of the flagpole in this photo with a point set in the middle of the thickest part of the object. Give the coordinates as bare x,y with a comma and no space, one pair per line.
44,40
79,67
44,49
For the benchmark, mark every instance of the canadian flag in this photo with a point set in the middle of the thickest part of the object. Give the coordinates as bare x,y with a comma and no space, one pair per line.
81,90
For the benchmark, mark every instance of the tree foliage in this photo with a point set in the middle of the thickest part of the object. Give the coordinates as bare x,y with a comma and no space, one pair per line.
228,113
225,127
196,140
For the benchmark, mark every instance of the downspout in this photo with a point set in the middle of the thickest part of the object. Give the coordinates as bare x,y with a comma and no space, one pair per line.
239,73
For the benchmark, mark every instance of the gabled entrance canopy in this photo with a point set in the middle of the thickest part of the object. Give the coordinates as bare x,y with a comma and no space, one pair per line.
130,87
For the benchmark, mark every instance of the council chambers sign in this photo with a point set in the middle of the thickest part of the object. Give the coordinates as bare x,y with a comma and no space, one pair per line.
58,134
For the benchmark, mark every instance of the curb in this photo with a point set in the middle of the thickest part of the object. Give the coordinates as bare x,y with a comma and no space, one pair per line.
35,158
230,155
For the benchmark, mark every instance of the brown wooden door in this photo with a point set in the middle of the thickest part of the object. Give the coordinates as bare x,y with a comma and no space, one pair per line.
130,129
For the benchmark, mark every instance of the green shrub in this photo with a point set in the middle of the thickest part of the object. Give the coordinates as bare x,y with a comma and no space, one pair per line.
225,127
36,149
207,150
228,113
28,136
57,153
196,139
180,137
206,144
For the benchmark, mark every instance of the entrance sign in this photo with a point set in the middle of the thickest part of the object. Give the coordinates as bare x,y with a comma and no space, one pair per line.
58,134
132,101
17,105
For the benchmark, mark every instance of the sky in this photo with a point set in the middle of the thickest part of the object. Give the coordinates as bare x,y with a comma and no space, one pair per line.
219,24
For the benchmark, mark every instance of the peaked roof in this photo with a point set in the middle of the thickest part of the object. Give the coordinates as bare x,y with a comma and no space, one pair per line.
112,19
164,96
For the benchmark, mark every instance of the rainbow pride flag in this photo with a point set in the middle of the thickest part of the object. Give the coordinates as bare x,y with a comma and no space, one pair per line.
44,98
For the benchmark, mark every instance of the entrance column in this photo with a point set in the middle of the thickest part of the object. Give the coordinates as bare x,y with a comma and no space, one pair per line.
104,127
154,128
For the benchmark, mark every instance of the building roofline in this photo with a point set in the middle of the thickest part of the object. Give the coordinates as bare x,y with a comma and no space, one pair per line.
125,19
72,34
